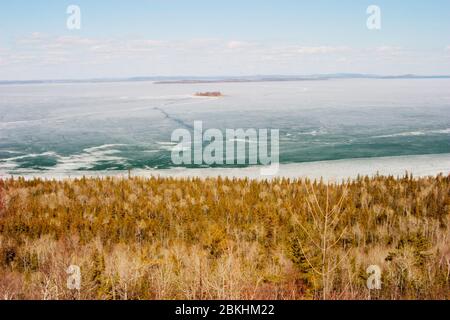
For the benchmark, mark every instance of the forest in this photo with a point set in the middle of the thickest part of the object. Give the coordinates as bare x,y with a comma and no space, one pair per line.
218,238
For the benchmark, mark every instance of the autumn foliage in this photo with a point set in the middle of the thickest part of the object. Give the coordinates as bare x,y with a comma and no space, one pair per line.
220,238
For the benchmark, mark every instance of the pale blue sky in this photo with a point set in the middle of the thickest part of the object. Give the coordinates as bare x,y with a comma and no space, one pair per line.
121,38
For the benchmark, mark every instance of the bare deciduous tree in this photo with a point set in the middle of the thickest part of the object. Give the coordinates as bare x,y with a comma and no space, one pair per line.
323,235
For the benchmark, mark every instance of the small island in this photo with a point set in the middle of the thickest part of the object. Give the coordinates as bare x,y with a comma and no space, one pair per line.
209,94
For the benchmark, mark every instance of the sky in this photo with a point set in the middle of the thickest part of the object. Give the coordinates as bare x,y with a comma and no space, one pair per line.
127,38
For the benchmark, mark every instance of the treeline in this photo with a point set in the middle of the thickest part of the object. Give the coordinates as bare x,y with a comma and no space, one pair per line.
158,238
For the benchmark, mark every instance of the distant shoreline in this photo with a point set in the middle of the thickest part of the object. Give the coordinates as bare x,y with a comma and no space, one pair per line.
239,81
225,79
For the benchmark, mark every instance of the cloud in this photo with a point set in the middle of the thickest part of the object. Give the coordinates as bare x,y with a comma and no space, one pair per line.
74,41
388,54
322,50
43,56
388,49
40,44
34,38
234,44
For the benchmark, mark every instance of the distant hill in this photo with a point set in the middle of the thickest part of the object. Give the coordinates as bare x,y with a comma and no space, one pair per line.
256,78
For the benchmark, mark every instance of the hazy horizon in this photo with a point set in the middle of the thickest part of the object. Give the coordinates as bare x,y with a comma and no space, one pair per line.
320,76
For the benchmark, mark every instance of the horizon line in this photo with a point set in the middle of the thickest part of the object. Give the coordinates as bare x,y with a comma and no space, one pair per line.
228,78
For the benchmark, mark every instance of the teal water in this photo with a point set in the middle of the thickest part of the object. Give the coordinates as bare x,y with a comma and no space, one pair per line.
119,126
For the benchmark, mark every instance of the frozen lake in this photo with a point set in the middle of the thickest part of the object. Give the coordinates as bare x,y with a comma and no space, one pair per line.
108,128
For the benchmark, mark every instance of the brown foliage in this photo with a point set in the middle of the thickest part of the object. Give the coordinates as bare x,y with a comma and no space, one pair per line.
2,204
225,238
